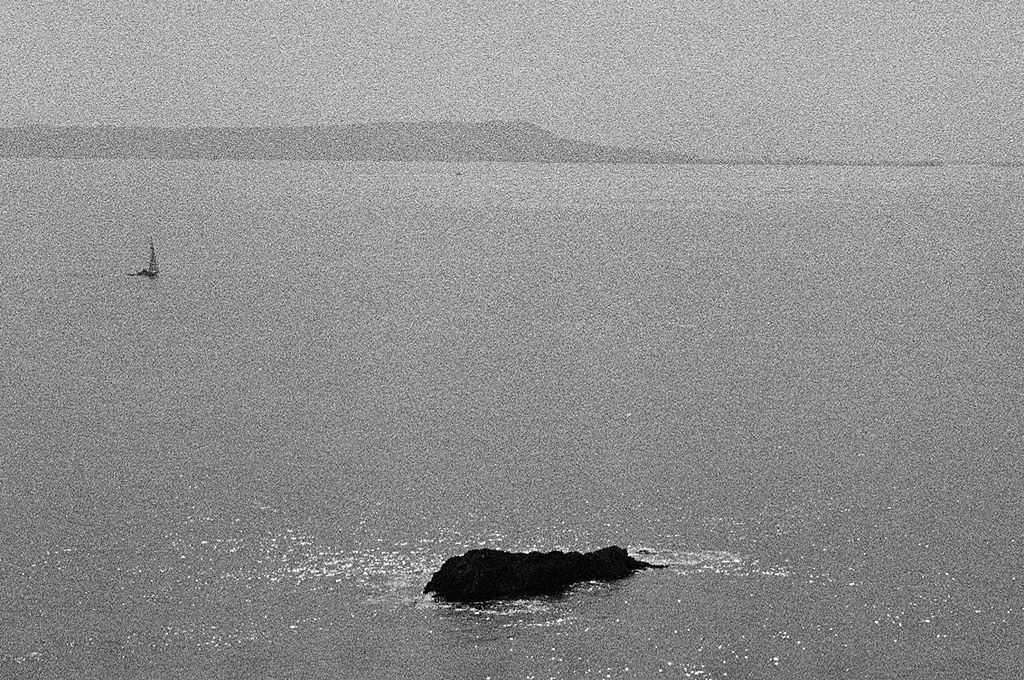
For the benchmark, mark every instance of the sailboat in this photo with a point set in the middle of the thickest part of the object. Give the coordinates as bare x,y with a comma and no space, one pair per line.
152,269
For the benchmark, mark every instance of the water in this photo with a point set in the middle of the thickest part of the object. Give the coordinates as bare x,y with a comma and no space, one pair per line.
801,388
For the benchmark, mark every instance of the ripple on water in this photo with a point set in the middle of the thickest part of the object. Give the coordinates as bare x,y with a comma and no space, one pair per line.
708,561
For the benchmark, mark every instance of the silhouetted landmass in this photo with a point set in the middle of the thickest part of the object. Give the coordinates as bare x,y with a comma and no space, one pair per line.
430,141
510,142
483,574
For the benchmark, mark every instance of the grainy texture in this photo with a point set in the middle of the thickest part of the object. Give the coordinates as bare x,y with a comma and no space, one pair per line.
798,387
829,79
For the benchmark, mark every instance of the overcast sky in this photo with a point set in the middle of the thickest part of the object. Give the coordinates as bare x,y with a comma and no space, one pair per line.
822,77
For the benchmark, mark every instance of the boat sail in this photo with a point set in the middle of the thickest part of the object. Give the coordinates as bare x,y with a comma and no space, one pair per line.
152,269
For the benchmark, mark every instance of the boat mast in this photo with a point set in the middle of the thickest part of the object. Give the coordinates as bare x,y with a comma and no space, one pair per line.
152,258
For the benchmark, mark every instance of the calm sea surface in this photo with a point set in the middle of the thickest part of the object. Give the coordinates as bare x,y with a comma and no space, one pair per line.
801,388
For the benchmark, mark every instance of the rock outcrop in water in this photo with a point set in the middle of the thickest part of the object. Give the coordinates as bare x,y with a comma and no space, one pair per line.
482,575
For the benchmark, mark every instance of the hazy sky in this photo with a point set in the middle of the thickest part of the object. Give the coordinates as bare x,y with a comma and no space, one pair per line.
780,77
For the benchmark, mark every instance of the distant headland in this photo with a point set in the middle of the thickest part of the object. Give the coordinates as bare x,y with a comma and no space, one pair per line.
498,141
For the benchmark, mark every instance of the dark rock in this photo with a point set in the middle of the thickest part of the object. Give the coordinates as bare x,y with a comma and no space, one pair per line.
482,575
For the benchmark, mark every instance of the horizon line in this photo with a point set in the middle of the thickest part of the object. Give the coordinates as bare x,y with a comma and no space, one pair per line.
678,157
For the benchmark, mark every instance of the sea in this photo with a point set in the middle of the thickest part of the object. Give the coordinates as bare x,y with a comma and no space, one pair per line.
800,388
